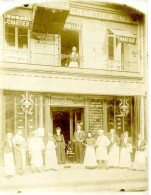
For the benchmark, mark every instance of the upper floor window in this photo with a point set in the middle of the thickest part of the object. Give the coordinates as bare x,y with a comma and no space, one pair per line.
16,37
110,45
121,46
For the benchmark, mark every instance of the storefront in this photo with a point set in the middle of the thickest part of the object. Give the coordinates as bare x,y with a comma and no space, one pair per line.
29,111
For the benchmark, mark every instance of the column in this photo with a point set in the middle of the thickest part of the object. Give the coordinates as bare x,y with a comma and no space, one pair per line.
48,116
142,116
71,125
2,124
105,115
87,115
41,112
1,115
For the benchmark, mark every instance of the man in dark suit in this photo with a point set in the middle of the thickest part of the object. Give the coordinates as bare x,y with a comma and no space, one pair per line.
78,139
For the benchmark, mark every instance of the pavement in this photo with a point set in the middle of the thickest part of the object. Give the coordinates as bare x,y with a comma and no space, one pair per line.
75,178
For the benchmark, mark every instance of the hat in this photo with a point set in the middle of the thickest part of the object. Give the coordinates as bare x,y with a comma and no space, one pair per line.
100,130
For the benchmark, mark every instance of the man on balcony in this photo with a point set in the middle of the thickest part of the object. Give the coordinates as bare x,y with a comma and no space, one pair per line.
73,59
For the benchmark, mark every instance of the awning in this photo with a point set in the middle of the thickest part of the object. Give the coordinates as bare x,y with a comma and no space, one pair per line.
47,20
124,36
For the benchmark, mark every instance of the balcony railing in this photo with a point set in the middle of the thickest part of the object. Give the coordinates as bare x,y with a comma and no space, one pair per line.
71,61
64,60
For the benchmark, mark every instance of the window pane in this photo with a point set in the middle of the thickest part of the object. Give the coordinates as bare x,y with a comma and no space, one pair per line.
111,47
10,35
22,38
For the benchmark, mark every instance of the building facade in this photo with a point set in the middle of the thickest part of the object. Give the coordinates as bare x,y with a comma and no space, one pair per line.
43,86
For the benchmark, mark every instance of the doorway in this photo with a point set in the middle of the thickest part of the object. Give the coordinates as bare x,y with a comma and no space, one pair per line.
62,119
67,119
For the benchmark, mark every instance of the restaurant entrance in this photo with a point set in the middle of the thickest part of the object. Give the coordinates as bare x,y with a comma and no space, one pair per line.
66,119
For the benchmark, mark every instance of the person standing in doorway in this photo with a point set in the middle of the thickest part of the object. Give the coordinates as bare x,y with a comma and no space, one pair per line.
78,139
113,148
36,147
7,148
126,149
60,147
19,144
102,143
140,159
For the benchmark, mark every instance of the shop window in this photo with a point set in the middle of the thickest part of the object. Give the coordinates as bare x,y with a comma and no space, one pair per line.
16,37
70,49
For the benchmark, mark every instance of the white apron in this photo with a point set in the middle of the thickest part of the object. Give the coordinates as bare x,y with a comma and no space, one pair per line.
140,161
9,163
90,157
36,146
125,158
101,151
50,156
113,157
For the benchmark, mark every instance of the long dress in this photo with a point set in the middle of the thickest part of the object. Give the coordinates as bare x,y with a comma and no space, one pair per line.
125,155
140,158
113,156
90,157
50,155
8,158
60,148
20,156
101,151
36,146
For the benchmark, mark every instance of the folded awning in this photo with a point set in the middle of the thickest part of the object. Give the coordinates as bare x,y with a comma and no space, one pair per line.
124,36
49,21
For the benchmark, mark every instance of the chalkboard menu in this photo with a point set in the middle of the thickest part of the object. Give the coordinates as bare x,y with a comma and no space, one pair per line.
96,115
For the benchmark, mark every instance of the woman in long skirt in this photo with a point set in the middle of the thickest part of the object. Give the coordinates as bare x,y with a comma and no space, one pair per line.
50,154
113,156
60,148
36,147
140,158
19,144
90,157
126,149
8,156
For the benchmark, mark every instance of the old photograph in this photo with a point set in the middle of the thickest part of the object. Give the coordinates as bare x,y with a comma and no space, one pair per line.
73,97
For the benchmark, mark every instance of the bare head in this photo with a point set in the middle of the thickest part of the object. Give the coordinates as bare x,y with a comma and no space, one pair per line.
78,127
58,130
9,135
20,132
74,49
50,135
112,131
140,137
126,134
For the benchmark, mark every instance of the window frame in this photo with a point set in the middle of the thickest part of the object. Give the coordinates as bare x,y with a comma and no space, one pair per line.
16,47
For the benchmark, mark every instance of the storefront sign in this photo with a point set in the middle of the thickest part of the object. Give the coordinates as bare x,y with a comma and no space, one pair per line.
127,39
64,100
100,15
96,115
17,21
72,26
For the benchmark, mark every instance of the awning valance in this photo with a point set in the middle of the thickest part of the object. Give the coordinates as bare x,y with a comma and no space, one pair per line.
49,20
124,36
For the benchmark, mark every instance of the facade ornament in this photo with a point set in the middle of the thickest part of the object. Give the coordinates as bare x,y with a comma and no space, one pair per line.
124,107
27,103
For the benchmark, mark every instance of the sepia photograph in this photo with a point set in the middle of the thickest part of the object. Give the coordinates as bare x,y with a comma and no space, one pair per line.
74,97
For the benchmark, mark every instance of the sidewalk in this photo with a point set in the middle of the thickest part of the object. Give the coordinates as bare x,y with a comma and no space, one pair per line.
77,176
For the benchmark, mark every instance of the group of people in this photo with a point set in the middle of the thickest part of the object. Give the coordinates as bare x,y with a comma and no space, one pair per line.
107,150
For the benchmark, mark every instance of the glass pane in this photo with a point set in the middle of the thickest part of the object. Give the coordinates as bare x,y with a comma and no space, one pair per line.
111,47
10,36
22,38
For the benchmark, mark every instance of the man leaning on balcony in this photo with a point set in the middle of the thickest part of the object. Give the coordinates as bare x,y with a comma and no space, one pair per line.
73,59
